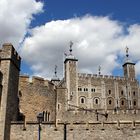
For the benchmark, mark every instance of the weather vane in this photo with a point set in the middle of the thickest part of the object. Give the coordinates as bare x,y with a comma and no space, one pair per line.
71,44
127,49
55,71
99,69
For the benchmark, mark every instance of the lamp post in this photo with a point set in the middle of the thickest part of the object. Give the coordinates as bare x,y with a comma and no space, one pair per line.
39,120
65,131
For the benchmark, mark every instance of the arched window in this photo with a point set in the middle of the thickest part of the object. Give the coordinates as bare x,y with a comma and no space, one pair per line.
110,102
109,91
96,101
122,92
122,102
82,100
85,89
134,93
134,103
93,90
79,89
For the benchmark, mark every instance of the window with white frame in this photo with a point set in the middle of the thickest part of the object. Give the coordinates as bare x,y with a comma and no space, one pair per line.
82,100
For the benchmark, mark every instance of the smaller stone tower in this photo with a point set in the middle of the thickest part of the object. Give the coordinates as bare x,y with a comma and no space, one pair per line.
128,67
10,67
71,77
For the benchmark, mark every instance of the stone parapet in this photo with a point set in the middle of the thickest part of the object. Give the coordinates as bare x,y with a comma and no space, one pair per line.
34,80
8,52
115,130
108,77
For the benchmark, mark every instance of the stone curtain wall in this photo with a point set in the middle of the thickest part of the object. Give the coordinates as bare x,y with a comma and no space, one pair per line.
36,95
115,130
80,116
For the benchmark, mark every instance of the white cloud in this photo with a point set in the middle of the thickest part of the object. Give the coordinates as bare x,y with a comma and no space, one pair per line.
15,18
97,41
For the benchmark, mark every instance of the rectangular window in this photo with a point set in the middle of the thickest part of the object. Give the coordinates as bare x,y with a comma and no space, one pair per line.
79,89
93,90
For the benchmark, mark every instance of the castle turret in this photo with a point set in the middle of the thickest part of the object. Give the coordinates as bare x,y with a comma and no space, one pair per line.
128,67
71,77
10,67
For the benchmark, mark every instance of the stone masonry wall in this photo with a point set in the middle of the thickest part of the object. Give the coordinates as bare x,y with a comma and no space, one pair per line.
10,67
115,90
82,116
115,130
35,96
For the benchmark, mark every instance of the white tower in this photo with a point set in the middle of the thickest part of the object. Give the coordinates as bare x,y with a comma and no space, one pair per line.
71,77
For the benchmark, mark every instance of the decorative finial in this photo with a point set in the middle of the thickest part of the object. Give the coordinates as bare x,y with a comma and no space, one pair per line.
71,44
55,72
99,70
127,49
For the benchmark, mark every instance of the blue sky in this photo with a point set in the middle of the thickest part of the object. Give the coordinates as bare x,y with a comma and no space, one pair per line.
100,29
123,10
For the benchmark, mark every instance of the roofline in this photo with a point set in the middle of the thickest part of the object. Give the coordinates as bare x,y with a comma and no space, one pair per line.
67,59
128,63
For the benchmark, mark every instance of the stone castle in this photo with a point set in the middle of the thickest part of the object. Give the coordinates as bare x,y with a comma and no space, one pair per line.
78,107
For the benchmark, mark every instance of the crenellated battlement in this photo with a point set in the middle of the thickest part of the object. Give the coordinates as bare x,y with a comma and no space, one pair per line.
24,78
78,130
8,52
108,77
117,123
34,80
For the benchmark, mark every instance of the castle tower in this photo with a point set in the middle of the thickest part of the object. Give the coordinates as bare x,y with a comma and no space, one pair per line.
129,73
128,67
10,67
71,77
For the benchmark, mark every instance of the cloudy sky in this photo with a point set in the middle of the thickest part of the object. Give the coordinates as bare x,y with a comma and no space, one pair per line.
100,29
